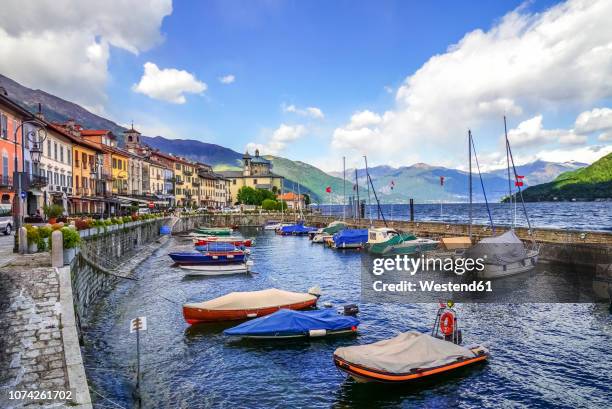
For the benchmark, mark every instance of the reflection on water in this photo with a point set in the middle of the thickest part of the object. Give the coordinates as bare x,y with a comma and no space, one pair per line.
542,354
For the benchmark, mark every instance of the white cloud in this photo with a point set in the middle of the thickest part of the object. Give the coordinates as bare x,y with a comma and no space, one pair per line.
532,132
227,79
598,119
388,89
168,84
62,46
312,112
279,139
560,58
605,137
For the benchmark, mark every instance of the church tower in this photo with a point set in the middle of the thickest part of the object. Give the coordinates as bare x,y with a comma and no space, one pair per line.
132,138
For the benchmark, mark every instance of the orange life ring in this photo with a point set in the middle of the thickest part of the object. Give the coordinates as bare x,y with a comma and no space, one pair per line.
447,323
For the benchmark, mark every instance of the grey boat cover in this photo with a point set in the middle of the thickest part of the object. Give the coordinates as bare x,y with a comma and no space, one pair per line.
503,249
407,351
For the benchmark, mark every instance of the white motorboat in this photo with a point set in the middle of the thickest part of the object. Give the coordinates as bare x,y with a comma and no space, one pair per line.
217,269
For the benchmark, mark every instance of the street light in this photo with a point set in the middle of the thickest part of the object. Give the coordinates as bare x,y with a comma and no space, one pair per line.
36,135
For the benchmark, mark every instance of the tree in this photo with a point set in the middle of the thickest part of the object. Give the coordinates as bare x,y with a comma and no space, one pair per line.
306,199
281,205
269,204
247,195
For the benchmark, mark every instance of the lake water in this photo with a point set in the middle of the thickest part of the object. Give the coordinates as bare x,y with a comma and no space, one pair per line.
594,216
542,355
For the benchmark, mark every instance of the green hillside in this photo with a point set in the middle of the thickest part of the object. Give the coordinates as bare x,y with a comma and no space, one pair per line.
593,182
313,179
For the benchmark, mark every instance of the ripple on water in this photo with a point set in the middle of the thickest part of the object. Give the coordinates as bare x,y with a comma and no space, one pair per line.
543,355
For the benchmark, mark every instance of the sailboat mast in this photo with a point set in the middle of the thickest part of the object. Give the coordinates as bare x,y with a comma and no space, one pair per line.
343,188
470,179
282,204
358,203
368,187
509,178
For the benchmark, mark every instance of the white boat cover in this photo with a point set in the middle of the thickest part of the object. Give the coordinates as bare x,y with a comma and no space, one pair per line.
503,249
407,351
271,297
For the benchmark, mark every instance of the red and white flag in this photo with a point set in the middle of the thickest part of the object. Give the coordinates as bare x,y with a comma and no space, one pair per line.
328,189
519,180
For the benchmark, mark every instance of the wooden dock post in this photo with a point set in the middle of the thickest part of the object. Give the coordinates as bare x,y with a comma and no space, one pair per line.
411,210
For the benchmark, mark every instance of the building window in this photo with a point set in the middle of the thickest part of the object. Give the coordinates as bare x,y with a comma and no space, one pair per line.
55,150
49,148
234,180
178,166
63,180
120,164
4,126
84,160
69,155
5,168
62,154
114,163
254,181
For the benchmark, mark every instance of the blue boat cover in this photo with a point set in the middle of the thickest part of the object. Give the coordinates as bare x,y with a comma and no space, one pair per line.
351,236
219,246
290,322
297,228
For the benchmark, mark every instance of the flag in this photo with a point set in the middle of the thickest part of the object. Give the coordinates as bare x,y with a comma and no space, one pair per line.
392,185
519,181
441,180
328,189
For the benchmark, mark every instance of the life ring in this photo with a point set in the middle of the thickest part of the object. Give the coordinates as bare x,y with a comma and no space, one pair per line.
447,323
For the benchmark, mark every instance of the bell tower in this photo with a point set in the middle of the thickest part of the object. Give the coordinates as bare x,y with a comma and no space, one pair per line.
132,138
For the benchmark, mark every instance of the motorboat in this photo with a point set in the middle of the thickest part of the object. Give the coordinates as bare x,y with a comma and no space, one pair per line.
213,253
250,304
331,229
503,255
202,241
296,230
217,269
272,225
214,231
387,241
286,323
350,238
411,356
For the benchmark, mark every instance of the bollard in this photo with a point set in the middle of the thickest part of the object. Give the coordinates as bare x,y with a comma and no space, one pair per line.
23,240
411,210
57,249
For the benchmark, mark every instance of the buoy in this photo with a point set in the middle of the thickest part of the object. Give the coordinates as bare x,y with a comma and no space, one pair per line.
447,323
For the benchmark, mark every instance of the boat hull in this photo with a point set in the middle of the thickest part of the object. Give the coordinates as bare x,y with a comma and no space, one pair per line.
207,240
195,315
347,331
364,374
510,269
207,258
214,232
215,269
406,248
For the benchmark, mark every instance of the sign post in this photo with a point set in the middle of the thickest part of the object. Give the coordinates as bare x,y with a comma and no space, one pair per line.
136,325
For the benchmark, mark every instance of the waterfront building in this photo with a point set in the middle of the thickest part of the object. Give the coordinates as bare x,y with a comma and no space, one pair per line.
56,167
86,166
293,200
11,147
183,181
256,173
213,188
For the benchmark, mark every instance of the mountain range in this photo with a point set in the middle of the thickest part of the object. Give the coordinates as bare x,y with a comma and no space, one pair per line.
420,181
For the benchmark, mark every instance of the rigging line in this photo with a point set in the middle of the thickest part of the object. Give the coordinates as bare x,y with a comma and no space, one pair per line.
377,202
105,398
483,188
520,190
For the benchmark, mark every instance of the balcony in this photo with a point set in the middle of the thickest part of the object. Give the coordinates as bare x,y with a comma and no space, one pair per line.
38,181
195,184
179,183
6,180
82,191
188,172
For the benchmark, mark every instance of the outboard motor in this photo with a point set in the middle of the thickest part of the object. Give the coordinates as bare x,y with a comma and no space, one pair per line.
351,309
445,326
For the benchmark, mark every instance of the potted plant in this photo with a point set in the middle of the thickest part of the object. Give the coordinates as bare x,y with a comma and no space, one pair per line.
53,212
33,238
71,239
45,233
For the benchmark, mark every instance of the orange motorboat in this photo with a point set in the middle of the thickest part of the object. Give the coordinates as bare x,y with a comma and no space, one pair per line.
411,356
244,305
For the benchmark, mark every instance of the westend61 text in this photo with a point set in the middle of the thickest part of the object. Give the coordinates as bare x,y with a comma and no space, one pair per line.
411,265
432,286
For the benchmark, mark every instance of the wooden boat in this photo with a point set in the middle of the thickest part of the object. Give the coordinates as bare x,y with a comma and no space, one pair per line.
245,305
214,231
287,323
412,356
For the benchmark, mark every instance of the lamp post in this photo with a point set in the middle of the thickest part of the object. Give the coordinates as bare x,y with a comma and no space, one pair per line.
36,135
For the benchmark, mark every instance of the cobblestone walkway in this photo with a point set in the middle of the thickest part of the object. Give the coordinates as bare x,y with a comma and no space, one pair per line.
31,351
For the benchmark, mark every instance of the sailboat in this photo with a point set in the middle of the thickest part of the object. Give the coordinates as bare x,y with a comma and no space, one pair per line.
506,254
387,241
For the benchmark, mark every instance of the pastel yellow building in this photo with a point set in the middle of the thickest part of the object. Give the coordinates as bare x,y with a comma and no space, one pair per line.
184,176
256,173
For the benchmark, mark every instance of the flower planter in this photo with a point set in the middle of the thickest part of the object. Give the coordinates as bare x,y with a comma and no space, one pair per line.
32,248
52,220
69,255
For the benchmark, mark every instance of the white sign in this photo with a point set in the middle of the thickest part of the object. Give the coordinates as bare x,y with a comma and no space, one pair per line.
138,324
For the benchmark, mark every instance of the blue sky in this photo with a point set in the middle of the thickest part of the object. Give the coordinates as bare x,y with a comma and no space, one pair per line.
318,80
